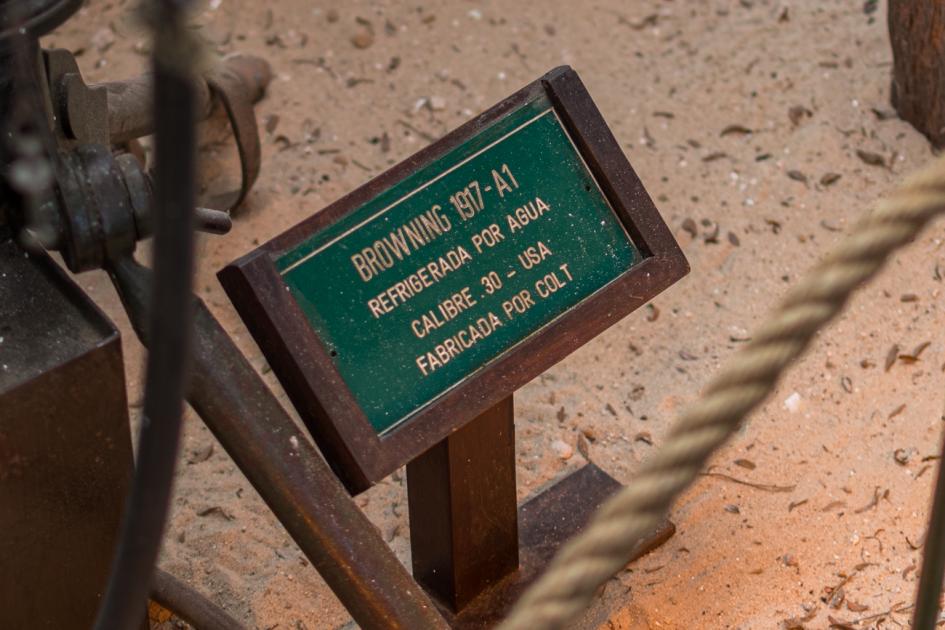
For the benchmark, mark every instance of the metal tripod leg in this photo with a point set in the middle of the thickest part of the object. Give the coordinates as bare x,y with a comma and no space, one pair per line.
289,473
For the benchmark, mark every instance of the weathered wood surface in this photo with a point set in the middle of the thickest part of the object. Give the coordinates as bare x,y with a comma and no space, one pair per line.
917,34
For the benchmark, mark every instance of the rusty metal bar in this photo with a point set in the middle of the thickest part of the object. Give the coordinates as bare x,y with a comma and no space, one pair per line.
190,605
281,462
929,592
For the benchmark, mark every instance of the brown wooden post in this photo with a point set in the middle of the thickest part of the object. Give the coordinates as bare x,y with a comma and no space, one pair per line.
917,34
463,509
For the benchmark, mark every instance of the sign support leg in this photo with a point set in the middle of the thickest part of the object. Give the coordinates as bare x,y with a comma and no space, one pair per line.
463,509
473,548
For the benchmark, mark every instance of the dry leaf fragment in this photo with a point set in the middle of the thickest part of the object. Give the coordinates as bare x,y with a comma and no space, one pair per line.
913,356
839,624
903,455
795,504
847,384
797,175
836,598
873,159
853,606
216,510
915,546
735,129
767,487
158,613
201,454
648,139
874,501
891,356
584,446
797,623
650,20
797,113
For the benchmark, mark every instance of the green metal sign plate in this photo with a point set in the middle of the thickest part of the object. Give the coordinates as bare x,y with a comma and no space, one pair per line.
446,270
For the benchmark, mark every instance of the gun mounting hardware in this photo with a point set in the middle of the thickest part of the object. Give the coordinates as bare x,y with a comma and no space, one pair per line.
94,207
104,201
65,451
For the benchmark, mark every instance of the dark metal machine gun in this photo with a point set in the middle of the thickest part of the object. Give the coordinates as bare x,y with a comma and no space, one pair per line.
74,183
82,518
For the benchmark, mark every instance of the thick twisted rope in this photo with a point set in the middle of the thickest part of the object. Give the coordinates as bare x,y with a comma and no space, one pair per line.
605,547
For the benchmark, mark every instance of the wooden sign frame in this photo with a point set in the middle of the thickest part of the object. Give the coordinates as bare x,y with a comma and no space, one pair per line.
303,365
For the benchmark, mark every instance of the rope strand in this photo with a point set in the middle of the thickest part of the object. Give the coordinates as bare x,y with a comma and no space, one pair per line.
604,548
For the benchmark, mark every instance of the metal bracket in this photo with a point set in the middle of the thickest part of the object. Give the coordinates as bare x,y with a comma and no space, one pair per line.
234,83
82,109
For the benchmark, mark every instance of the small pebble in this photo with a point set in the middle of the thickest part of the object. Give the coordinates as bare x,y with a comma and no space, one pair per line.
363,39
562,449
103,39
793,402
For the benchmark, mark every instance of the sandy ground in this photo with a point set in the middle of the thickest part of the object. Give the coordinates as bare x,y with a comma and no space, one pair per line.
747,122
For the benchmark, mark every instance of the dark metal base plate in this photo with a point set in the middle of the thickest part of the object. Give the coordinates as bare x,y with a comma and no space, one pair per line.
545,522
